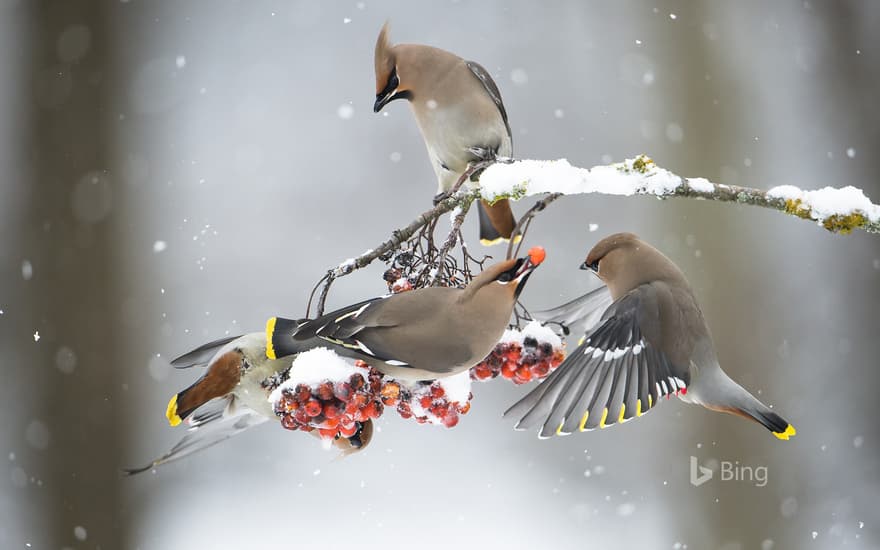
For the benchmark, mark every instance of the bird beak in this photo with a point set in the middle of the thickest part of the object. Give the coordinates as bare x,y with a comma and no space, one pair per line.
529,263
585,266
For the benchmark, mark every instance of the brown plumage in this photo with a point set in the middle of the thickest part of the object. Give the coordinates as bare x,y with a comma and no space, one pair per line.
220,379
417,335
232,396
460,114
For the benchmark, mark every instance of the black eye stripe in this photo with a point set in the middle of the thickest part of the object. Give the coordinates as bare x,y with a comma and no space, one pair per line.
393,82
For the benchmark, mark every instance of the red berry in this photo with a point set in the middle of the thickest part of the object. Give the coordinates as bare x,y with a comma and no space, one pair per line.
508,370
463,409
325,391
523,375
327,433
331,411
289,422
437,391
370,410
426,401
303,393
342,391
440,411
541,369
451,419
313,407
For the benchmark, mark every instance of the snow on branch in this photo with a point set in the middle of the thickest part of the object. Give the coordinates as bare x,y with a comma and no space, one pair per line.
837,210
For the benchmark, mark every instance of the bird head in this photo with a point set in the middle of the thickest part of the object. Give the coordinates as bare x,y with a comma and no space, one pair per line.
510,274
623,262
388,83
357,442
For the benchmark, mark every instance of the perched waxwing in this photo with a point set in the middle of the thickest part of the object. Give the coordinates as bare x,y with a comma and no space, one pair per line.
231,396
652,341
459,111
421,334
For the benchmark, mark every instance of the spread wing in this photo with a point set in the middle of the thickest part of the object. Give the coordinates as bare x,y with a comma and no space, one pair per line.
580,315
613,376
201,356
216,421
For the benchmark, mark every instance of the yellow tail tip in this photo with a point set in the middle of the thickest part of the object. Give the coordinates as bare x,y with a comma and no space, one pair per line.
171,412
270,331
500,240
789,432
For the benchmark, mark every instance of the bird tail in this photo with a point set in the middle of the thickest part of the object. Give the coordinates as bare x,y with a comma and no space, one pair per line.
763,415
279,337
740,402
496,222
223,374
185,402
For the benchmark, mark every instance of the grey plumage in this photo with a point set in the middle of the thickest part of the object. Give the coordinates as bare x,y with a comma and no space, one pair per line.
651,342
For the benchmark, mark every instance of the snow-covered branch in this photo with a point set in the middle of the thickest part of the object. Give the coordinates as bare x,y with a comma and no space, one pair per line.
838,210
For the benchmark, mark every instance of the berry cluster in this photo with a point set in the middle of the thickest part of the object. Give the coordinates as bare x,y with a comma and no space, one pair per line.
334,408
424,402
520,363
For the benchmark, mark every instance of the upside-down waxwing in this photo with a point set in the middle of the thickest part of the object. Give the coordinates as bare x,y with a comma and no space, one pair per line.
652,341
421,334
231,396
460,114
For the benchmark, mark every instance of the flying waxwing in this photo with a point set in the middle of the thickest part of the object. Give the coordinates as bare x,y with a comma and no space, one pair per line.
652,341
459,111
421,334
231,396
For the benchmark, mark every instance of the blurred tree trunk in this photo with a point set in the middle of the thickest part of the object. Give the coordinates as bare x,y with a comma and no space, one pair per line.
705,149
67,233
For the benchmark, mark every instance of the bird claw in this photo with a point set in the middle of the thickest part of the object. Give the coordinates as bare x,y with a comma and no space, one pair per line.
440,197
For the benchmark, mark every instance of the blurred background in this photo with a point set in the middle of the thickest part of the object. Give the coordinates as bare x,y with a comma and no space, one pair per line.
172,172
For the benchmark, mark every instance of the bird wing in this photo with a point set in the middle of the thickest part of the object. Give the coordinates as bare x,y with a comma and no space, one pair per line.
579,315
215,422
202,355
492,89
615,374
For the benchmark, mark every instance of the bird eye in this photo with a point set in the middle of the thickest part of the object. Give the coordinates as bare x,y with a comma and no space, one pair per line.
504,277
593,266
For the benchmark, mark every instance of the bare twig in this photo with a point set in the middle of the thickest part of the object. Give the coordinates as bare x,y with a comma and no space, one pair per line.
450,241
398,237
523,224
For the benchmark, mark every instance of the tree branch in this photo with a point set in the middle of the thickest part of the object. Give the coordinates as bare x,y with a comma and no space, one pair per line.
837,210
